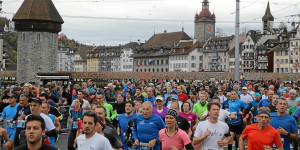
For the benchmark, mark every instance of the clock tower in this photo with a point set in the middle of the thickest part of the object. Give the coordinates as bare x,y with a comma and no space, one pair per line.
204,23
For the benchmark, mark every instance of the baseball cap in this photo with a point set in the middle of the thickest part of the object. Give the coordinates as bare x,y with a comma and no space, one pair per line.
13,95
244,88
174,97
35,99
297,99
159,98
257,94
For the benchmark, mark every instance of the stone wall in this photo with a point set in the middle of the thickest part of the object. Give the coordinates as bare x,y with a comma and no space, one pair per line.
37,52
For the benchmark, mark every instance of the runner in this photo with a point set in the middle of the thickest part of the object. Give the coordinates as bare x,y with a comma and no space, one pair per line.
261,135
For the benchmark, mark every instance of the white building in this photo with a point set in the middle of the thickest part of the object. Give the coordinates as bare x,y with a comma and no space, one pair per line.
126,56
295,53
186,57
248,53
62,58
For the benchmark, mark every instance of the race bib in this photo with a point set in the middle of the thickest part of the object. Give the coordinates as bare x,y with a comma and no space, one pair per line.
145,148
10,125
207,148
75,124
21,124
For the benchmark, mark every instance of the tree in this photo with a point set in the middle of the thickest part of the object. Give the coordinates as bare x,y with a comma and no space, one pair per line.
220,33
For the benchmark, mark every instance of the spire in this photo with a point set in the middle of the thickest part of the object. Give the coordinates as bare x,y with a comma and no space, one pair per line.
205,4
268,15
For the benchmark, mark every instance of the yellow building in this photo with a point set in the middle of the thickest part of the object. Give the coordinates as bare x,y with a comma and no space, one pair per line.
92,63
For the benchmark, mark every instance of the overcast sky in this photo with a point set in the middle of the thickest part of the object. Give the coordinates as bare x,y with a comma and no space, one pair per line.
114,22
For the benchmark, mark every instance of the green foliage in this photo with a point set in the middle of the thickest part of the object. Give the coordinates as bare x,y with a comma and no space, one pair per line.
71,43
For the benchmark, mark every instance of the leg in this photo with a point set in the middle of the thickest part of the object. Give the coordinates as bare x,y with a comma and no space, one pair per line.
71,139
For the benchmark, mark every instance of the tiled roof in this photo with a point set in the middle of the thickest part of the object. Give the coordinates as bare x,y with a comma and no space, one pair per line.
185,50
163,39
43,10
242,38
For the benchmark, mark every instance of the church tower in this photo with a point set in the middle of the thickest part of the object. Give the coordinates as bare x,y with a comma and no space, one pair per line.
37,23
268,21
204,23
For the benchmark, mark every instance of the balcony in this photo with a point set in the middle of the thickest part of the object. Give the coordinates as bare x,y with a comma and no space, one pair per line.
248,58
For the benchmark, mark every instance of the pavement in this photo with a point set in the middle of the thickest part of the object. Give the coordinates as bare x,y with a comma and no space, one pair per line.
62,141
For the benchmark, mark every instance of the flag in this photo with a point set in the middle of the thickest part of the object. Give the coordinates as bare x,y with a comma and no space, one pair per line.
297,63
151,62
242,79
139,63
59,37
278,64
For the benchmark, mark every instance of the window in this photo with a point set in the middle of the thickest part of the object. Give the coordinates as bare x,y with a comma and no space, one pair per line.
224,60
286,70
193,65
157,70
224,66
286,61
162,62
291,43
193,58
157,62
200,58
277,70
167,61
38,37
162,70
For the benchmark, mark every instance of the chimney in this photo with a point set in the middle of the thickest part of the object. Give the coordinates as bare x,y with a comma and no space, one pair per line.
182,29
165,31
293,25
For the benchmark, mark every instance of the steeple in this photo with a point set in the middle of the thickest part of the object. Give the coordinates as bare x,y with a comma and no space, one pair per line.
268,21
205,5
268,15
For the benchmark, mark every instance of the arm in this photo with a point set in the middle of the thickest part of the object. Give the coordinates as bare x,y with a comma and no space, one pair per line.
198,140
51,133
204,116
189,147
113,114
57,123
118,130
241,143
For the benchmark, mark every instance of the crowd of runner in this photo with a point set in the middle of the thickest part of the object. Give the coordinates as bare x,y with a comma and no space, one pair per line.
172,115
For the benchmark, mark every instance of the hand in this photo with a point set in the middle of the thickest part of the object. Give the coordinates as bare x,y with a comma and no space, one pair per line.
137,143
240,112
222,143
11,120
245,119
78,119
207,133
71,120
152,143
282,131
233,117
1,119
267,147
23,116
173,148
252,108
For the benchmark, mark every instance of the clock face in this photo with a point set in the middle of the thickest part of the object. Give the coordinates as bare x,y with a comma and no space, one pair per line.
209,28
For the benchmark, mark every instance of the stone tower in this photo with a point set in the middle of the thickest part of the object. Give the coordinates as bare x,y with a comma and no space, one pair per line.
37,23
268,21
204,23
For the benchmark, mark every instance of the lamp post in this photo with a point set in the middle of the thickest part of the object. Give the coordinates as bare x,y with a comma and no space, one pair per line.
237,43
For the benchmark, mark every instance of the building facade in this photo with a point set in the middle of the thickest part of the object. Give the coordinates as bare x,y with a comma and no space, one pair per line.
153,56
204,23
294,52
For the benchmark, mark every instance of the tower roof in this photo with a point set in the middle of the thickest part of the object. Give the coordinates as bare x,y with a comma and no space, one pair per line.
39,10
205,15
268,15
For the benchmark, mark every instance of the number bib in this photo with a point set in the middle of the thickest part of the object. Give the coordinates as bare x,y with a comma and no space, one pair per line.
10,125
21,124
75,124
